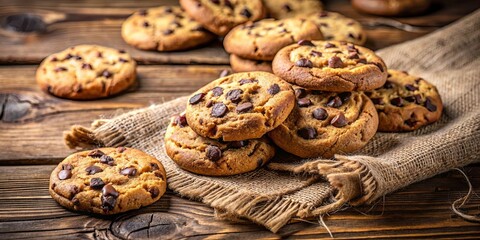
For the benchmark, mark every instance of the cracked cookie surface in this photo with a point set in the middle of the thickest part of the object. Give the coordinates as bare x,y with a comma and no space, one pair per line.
210,157
337,27
281,9
324,123
406,102
220,16
239,64
108,181
330,66
240,106
263,39
166,28
86,72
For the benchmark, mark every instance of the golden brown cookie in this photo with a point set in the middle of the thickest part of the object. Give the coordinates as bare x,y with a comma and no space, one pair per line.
108,181
263,39
392,7
212,157
281,9
240,106
166,28
406,102
220,16
324,123
86,72
337,27
330,66
239,64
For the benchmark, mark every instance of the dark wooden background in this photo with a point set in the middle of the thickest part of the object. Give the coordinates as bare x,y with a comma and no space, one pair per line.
32,122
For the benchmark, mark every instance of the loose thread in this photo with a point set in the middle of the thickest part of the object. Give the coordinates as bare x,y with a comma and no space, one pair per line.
320,219
464,200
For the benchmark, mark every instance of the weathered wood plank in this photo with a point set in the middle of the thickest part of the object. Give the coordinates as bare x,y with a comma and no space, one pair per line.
420,210
71,23
32,121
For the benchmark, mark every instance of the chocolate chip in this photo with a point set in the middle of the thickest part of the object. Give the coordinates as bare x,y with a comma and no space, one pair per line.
109,190
107,160
129,171
154,166
345,96
107,74
68,56
398,101
368,93
287,8
121,51
209,103
303,62
238,144
168,32
218,110
335,62
350,35
108,203
274,89
168,10
99,54
146,24
246,13
410,122
334,102
323,14
228,4
350,23
122,60
247,80
213,153
315,53
121,149
304,102
388,85
217,91
75,201
60,69
330,45
198,29
259,163
244,107
196,98
96,153
177,24
417,98
67,166
181,121
87,66
362,60
353,55
377,101
410,87
154,192
339,120
93,169
306,43
143,12
300,92
97,183
352,48
54,59
307,133
379,65
429,105
64,174
235,95
320,114
224,73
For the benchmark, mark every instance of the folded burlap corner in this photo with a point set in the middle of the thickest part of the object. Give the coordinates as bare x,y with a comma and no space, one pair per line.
273,196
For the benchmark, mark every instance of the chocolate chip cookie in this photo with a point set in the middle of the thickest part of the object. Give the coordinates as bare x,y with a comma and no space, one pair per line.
211,157
392,7
108,180
324,123
220,16
405,102
239,64
337,27
86,72
240,106
166,28
330,66
263,39
280,9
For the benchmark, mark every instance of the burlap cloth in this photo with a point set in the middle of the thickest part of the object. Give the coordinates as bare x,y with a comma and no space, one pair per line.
272,196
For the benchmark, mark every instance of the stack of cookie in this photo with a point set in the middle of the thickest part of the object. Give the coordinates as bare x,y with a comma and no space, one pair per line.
222,131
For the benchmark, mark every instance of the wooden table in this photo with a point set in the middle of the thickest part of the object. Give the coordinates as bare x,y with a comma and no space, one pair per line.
32,122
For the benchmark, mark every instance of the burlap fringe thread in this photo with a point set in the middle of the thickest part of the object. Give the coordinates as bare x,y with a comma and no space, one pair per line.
349,178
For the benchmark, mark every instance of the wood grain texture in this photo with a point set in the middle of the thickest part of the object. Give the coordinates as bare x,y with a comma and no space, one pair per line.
70,23
420,210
